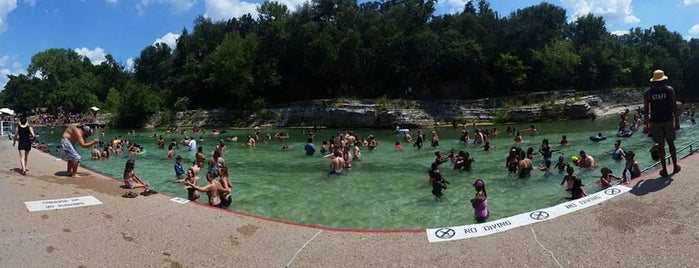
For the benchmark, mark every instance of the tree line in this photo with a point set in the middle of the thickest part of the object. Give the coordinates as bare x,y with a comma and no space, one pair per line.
341,49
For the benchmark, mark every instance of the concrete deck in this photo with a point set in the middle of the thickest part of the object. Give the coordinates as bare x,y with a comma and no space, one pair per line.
655,225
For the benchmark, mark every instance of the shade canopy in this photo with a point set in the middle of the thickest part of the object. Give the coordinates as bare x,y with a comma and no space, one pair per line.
94,108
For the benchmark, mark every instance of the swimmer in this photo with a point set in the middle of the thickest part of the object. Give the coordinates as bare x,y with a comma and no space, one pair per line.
532,131
170,152
435,139
226,187
631,169
512,161
480,202
586,161
518,137
398,146
564,141
561,165
607,177
191,178
96,152
337,163
438,184
419,140
213,189
569,178
577,191
309,147
524,168
617,153
487,147
179,170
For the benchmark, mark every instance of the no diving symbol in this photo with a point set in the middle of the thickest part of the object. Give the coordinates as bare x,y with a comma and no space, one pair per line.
445,233
539,215
612,191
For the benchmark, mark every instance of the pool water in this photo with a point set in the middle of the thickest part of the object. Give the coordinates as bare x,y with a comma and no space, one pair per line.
386,189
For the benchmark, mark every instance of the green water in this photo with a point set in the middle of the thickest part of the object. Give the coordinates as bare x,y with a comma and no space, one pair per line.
387,189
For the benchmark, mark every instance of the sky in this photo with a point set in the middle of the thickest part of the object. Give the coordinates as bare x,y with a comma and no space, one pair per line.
122,28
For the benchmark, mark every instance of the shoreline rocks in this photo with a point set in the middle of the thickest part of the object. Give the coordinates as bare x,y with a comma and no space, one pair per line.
370,113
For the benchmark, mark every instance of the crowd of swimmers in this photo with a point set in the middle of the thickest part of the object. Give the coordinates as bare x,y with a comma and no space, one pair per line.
344,148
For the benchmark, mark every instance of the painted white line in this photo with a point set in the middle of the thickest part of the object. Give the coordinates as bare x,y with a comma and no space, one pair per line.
64,203
180,200
501,225
299,251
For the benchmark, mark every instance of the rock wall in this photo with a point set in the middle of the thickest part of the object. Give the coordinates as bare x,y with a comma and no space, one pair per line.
411,113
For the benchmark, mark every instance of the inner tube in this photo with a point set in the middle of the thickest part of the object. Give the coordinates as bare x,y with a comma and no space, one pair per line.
403,131
624,133
596,138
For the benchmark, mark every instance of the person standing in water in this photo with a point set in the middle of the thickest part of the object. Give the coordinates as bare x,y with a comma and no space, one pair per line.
24,133
480,202
659,109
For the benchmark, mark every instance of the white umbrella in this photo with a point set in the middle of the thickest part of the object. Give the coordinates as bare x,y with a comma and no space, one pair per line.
7,111
94,108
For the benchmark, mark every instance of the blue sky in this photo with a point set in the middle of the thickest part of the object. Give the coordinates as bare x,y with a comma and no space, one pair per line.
123,28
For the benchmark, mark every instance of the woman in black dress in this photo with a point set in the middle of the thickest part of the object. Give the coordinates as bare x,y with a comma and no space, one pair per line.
24,133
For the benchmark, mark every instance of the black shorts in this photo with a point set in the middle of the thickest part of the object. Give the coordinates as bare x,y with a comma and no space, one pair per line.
24,146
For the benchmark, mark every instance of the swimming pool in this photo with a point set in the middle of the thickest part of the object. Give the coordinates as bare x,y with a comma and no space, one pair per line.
387,189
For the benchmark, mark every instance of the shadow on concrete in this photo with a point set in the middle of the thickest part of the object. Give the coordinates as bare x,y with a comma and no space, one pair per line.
646,186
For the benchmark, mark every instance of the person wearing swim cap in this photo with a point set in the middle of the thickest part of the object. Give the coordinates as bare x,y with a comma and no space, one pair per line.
73,134
480,202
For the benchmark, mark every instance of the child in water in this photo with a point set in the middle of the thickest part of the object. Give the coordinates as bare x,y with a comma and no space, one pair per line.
631,168
564,141
398,146
179,170
570,178
438,181
577,191
561,165
480,202
607,177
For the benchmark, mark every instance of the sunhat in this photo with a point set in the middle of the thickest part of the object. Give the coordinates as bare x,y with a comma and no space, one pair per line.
658,75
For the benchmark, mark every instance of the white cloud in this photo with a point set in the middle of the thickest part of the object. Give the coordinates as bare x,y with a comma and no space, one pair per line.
177,6
8,66
112,2
169,38
30,2
694,31
228,9
453,6
293,5
6,6
96,55
129,65
613,11
690,2
620,33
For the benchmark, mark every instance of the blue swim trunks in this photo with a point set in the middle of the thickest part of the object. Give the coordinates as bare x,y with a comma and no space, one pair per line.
69,152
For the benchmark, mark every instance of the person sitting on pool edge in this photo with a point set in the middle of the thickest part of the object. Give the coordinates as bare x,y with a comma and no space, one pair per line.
480,202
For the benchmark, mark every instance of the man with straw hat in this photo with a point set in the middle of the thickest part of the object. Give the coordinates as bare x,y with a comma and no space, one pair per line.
660,108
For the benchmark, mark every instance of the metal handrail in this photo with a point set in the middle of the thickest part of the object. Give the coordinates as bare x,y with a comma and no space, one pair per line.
667,158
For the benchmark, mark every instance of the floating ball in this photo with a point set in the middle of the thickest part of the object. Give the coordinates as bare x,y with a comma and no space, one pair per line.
575,158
